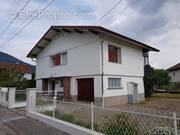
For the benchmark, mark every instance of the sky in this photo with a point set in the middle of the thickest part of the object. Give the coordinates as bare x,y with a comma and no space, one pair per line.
153,22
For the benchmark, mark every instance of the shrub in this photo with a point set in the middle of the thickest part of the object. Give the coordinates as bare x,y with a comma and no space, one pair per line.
161,131
120,124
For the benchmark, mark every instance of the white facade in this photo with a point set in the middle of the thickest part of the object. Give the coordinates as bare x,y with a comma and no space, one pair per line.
84,61
175,75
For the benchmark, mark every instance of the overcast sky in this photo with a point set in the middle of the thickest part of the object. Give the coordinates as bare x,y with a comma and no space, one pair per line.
154,22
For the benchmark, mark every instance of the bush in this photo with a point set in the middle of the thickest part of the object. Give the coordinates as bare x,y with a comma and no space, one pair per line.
161,131
120,124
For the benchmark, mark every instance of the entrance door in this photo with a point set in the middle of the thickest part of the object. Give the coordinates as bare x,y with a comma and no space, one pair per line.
86,89
132,92
45,85
135,93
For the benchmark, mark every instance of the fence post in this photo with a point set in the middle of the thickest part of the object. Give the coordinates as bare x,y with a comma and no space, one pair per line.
92,116
31,100
11,97
175,123
54,104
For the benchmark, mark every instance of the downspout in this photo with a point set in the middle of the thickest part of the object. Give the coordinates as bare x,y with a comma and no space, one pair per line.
102,71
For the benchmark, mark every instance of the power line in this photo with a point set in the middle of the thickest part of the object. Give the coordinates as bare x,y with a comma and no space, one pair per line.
109,11
8,25
127,7
18,4
24,26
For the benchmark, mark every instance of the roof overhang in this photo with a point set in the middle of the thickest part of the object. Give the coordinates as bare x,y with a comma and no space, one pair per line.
53,30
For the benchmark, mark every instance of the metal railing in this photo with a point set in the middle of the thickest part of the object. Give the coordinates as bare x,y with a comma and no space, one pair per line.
108,121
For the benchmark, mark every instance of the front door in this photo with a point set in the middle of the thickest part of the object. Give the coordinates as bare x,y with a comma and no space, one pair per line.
86,89
45,85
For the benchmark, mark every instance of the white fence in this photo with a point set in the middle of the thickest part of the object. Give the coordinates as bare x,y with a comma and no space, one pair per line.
97,119
12,98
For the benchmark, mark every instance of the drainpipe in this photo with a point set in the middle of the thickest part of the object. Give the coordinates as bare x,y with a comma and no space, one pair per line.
102,73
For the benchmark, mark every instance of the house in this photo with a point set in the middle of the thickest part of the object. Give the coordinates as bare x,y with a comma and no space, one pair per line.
23,69
174,73
91,63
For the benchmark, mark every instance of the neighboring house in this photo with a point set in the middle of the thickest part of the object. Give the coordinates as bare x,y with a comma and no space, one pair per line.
23,69
91,63
174,72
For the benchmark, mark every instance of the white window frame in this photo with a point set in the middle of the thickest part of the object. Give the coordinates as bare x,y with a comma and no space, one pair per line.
114,83
61,53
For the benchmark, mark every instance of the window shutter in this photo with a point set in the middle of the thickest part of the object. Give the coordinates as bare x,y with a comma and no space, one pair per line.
113,54
58,59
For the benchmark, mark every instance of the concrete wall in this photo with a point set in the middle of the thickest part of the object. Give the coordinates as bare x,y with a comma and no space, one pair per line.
175,76
124,91
132,60
83,58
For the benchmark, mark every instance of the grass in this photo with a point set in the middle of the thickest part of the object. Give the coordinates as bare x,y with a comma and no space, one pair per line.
68,118
42,102
166,95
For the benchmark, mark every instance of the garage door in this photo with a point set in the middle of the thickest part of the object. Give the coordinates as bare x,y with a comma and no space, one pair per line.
86,89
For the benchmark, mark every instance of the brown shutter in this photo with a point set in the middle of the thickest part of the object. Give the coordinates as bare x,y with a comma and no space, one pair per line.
57,59
113,54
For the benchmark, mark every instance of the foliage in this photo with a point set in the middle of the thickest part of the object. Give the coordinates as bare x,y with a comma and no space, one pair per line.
154,78
148,81
120,124
161,131
161,77
11,78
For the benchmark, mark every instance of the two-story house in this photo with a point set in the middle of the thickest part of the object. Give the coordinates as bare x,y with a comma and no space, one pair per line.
174,73
91,63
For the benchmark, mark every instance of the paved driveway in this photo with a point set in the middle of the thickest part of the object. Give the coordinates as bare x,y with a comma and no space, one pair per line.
13,123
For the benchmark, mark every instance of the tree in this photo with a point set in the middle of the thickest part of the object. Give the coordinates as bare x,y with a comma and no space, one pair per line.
154,78
148,80
161,78
10,78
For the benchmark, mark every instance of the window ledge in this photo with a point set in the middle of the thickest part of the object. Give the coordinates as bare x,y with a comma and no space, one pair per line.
115,62
115,88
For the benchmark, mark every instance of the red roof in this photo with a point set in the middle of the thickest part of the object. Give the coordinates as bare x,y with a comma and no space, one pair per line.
21,68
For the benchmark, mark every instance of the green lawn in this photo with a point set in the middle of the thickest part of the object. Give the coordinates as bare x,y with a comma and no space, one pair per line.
166,95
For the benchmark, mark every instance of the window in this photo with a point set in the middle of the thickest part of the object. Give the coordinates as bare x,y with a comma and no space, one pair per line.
114,54
64,58
114,83
174,74
59,59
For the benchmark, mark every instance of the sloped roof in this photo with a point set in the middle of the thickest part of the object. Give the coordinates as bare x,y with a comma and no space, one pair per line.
48,36
20,68
175,67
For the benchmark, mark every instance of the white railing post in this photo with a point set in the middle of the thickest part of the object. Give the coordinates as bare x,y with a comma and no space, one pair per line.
11,97
175,123
92,115
54,104
31,100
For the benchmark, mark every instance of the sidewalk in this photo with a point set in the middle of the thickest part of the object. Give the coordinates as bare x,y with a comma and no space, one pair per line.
12,123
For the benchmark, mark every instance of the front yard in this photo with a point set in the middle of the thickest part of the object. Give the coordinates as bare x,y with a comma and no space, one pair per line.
159,102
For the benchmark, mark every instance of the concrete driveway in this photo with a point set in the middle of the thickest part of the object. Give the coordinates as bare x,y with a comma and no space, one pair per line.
14,123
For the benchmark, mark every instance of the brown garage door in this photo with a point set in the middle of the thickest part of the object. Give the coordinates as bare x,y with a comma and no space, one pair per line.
86,89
